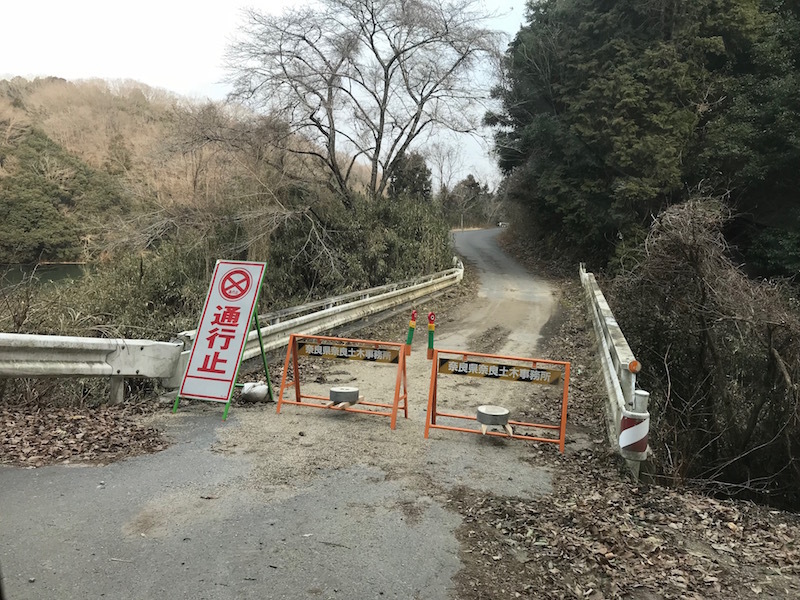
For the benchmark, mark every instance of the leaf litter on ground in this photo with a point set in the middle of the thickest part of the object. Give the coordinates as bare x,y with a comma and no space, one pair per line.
34,435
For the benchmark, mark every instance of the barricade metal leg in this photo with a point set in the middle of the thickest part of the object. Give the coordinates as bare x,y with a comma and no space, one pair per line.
296,370
286,371
430,417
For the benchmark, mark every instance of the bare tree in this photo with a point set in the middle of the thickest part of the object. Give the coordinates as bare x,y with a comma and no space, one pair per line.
360,80
447,161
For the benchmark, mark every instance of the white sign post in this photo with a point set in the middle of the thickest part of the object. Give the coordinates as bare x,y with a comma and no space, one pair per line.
222,333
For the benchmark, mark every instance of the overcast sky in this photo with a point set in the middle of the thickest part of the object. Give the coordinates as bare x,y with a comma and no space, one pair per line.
172,44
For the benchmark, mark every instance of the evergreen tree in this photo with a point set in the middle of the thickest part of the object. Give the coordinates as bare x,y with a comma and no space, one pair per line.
467,204
410,178
50,199
614,110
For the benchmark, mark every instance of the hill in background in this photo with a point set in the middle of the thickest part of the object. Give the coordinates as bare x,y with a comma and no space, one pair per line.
82,163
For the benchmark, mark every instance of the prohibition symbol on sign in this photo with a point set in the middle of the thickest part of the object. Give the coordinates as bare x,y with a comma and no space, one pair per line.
235,284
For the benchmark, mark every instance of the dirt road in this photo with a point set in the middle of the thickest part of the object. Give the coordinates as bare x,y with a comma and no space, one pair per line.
512,305
304,504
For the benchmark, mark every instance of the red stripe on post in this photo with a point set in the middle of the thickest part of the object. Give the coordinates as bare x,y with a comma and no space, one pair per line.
638,445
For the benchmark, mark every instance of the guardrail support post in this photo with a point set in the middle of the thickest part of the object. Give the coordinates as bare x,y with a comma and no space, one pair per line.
634,432
117,390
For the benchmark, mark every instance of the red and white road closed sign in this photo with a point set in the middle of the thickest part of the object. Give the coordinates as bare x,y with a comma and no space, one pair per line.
223,330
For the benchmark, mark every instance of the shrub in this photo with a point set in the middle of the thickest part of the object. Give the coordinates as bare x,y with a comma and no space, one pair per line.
722,358
327,250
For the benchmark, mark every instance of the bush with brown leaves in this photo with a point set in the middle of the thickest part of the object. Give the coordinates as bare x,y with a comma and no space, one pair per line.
721,357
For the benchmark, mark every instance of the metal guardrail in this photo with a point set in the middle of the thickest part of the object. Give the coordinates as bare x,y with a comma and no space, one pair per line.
282,315
25,355
626,409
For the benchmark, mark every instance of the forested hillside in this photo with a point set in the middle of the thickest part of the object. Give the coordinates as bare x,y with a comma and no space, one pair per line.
95,164
660,140
613,111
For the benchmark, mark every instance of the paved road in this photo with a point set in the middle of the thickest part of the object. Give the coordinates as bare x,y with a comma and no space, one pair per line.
295,505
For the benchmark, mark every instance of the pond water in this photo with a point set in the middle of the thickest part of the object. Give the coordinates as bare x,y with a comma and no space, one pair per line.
13,274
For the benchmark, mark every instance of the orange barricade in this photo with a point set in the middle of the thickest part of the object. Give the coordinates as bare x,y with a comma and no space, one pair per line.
346,349
528,370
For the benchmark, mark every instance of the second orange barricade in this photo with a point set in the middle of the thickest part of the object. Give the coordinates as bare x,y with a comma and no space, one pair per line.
502,368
